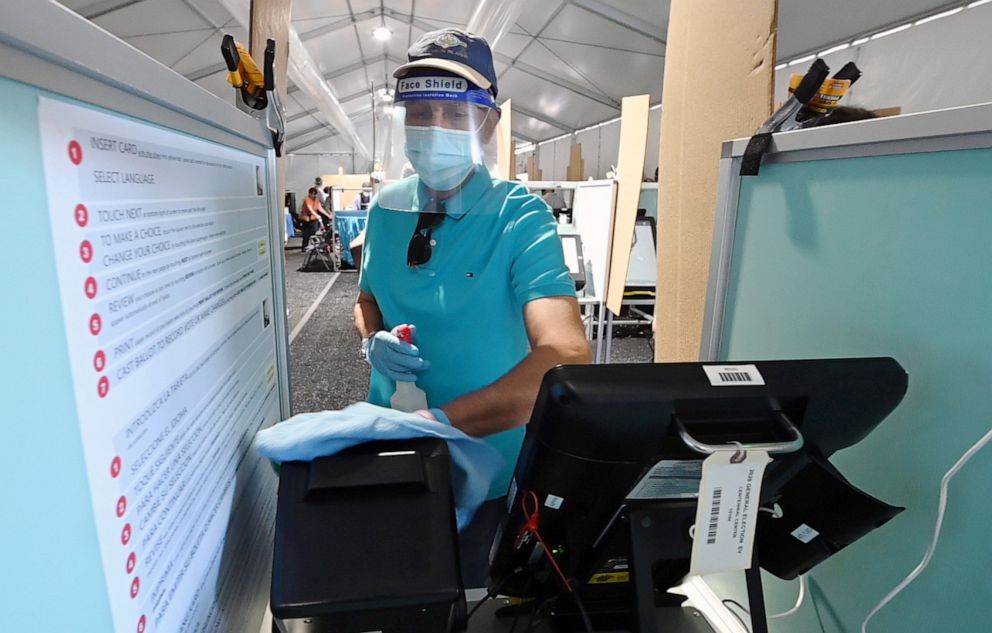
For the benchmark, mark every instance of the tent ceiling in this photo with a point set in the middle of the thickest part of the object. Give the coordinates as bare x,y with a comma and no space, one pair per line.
565,63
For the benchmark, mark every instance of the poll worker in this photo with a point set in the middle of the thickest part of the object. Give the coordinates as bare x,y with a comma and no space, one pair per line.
311,212
474,263
361,201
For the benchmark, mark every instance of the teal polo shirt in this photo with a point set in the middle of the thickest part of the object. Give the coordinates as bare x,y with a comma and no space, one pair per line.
496,250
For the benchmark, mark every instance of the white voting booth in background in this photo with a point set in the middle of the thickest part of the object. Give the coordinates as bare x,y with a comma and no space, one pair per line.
593,214
145,332
592,205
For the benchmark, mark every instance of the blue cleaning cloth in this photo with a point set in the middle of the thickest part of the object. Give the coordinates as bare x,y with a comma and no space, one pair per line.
307,436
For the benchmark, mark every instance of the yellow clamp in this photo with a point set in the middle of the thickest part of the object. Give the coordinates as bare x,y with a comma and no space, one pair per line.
827,97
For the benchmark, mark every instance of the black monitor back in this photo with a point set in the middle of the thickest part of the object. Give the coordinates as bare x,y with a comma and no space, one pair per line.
596,429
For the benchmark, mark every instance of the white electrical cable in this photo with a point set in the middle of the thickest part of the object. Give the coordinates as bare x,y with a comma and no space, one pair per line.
941,509
799,600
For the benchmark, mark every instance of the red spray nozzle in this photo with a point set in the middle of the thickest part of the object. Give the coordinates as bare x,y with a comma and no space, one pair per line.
405,334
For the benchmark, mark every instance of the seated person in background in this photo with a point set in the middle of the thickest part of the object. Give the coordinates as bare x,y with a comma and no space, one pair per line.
554,198
362,199
310,214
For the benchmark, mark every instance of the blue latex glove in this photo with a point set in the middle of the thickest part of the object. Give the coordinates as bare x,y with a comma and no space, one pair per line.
307,436
394,358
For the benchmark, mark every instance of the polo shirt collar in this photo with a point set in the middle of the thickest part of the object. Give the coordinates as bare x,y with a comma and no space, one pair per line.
462,202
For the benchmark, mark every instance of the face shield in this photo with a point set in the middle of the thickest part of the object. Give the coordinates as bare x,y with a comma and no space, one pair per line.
444,141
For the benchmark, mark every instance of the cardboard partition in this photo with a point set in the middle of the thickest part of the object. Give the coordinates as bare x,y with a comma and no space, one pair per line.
884,112
533,173
719,80
351,183
576,166
630,172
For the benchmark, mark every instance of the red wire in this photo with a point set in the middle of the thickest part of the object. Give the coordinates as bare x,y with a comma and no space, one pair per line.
533,519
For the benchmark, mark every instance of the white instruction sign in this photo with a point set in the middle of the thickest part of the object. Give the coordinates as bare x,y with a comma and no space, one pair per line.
727,513
161,247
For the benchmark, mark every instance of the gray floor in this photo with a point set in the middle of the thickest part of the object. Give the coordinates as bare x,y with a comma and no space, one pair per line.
326,371
325,368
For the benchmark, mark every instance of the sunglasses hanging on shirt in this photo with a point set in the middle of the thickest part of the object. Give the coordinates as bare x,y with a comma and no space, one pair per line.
419,251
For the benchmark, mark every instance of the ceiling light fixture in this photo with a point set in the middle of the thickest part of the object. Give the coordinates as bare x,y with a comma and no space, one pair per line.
834,49
382,33
938,16
891,31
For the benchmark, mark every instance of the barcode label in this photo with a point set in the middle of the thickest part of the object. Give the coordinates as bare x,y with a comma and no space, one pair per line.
714,516
733,375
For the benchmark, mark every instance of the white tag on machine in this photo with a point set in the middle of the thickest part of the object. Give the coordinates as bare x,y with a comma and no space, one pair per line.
727,513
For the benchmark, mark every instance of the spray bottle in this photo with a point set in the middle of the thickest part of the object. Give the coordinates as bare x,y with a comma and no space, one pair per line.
408,397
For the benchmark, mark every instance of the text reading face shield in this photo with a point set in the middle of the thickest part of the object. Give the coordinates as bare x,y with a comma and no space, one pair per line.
443,131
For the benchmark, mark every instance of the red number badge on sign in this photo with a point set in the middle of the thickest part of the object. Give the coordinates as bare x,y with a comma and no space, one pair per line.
90,287
75,152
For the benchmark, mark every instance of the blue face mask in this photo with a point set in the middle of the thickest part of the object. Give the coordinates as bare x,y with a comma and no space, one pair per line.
443,158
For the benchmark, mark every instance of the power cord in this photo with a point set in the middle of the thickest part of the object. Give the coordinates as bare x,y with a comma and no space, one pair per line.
913,575
586,622
532,526
729,601
941,509
533,517
799,600
777,513
492,593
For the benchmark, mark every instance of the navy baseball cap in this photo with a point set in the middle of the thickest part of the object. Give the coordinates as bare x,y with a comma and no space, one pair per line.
454,51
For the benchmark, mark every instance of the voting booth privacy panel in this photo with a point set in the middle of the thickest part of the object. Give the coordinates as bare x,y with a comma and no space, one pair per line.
144,327
866,239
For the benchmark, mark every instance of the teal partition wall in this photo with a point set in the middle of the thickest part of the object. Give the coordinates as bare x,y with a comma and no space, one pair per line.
877,249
